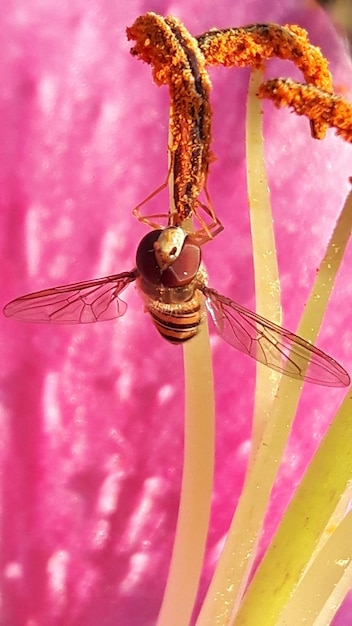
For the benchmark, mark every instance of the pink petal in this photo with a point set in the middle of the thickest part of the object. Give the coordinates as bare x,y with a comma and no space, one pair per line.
92,415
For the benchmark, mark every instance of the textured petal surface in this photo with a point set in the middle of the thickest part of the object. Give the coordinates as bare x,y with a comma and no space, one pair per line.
91,416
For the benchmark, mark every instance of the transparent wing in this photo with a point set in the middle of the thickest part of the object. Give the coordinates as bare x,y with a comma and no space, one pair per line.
89,301
272,345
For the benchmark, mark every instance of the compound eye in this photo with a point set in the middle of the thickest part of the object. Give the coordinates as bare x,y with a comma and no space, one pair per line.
178,274
146,261
185,267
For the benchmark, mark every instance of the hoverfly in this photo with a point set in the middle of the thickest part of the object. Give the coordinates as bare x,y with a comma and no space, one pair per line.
172,280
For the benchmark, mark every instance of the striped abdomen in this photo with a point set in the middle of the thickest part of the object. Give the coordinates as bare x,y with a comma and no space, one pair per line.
177,322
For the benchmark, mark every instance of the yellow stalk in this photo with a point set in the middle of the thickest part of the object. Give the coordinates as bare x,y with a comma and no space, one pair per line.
223,604
315,507
233,568
280,571
197,478
197,485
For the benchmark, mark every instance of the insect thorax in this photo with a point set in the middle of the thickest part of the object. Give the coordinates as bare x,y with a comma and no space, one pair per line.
176,312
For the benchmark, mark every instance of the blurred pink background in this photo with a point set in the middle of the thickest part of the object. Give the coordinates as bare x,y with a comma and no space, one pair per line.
92,416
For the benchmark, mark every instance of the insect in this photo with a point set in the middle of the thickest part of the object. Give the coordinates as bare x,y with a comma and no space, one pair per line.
169,271
172,281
